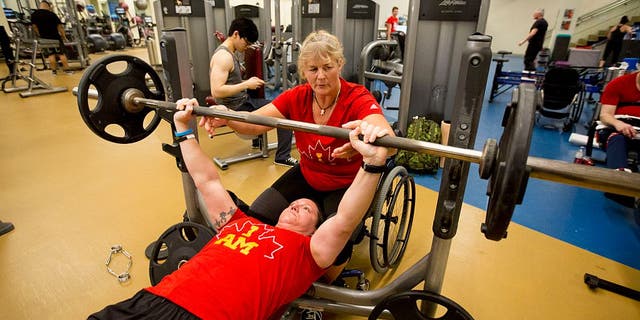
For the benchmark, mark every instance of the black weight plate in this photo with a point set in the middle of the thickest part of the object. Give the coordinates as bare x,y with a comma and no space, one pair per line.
404,305
508,182
179,243
109,109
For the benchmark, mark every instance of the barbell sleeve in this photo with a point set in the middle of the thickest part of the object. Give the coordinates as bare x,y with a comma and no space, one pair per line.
603,179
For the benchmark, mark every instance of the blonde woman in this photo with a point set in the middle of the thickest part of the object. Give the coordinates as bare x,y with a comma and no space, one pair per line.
327,165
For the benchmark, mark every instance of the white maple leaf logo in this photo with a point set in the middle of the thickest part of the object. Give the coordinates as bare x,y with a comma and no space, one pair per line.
319,153
265,236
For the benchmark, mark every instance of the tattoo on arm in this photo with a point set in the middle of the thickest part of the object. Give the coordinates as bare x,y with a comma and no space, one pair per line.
223,218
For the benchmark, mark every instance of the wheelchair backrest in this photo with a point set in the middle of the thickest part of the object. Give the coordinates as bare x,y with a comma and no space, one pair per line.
560,86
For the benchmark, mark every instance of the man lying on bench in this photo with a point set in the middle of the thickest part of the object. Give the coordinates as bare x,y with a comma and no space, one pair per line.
251,270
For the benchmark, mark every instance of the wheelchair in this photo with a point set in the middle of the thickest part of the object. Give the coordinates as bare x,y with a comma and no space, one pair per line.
561,99
390,217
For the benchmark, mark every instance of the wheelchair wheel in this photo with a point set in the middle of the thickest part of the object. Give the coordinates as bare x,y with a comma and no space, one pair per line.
392,216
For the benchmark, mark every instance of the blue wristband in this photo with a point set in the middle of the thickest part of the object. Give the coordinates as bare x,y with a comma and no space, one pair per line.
183,133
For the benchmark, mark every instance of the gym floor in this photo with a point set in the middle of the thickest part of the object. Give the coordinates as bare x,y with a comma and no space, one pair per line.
72,195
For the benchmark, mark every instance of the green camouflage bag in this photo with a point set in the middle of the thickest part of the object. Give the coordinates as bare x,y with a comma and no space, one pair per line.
424,130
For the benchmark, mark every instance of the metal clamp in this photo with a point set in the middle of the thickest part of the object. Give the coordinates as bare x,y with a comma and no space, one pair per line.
124,276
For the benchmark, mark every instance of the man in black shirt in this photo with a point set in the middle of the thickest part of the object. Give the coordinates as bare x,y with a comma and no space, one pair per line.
47,25
535,38
7,51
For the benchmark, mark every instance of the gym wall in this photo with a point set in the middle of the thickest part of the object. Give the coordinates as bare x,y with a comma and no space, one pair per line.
509,20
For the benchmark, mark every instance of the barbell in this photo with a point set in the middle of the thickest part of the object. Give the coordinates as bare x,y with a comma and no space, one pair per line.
127,99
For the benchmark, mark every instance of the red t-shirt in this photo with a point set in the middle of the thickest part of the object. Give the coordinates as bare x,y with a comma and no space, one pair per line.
247,271
323,172
392,21
623,93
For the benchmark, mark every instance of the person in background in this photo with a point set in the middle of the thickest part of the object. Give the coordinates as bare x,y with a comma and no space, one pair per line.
47,25
228,88
621,96
535,37
7,51
614,41
5,44
391,22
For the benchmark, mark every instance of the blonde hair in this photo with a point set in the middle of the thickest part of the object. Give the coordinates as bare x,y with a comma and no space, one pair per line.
320,44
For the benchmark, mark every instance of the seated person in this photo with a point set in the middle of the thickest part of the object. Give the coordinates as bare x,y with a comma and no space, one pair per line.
251,270
228,88
328,165
620,97
47,25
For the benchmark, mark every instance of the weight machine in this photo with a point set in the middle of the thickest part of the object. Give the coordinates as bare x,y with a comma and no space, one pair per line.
280,54
355,24
506,80
382,60
68,12
34,86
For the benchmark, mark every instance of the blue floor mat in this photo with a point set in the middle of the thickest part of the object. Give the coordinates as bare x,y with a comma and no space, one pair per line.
582,217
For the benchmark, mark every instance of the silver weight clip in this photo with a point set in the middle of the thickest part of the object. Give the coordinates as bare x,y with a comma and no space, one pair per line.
124,276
